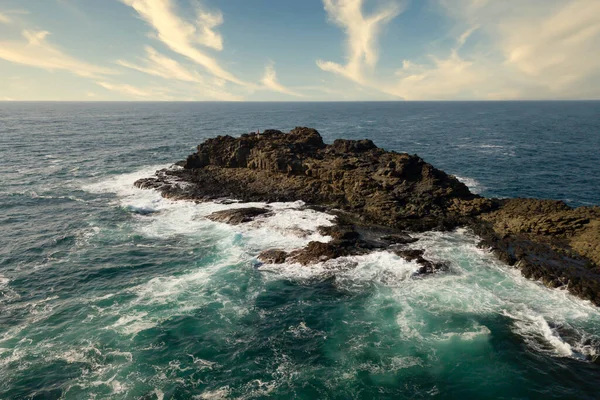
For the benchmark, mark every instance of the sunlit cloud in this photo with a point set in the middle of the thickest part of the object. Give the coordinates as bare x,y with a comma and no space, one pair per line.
556,49
36,51
136,92
157,64
270,81
181,92
4,19
362,33
545,49
162,66
184,37
535,49
444,78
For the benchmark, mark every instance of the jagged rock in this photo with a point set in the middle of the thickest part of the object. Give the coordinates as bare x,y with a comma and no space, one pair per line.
427,266
399,238
340,232
316,252
546,239
237,216
273,256
385,188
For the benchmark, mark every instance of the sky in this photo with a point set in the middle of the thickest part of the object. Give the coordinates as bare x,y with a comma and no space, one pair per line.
299,50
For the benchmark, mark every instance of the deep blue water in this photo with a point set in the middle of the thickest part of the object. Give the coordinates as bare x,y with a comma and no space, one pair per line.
99,299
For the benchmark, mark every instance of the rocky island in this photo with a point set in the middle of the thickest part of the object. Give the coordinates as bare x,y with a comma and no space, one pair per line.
380,197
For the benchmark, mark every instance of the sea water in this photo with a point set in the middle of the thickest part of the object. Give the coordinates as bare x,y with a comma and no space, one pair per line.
112,292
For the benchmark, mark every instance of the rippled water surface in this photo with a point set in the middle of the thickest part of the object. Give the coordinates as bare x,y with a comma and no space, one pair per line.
111,292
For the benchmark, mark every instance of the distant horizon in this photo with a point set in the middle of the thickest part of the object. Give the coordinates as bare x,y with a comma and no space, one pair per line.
306,101
309,51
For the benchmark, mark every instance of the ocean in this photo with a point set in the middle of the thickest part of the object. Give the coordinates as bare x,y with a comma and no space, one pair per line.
112,292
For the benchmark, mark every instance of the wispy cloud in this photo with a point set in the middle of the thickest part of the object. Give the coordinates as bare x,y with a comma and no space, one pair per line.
36,51
159,65
270,81
557,48
180,92
534,49
136,92
540,49
4,19
362,33
442,78
6,15
184,37
162,66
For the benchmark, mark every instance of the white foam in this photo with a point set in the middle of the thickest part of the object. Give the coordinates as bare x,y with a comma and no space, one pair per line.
476,284
353,272
473,184
479,331
398,363
221,393
289,226
479,284
132,324
122,185
536,332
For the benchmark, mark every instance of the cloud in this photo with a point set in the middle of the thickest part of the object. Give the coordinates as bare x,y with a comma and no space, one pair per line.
207,22
162,66
445,78
5,15
36,51
182,36
534,50
157,64
508,49
558,49
135,92
171,93
4,19
269,80
361,31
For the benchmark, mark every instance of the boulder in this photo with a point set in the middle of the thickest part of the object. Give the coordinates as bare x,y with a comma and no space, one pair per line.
237,216
272,256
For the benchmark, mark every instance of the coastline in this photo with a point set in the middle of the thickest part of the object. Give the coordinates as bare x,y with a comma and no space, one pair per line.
374,190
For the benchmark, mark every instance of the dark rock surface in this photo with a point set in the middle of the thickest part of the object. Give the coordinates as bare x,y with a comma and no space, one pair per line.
380,187
384,194
237,216
427,266
272,256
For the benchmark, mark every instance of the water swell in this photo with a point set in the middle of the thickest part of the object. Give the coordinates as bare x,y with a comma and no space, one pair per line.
476,282
365,315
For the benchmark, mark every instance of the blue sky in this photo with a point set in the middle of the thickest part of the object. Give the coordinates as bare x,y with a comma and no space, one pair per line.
288,50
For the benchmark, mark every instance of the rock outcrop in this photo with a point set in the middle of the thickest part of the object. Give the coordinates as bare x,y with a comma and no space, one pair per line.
380,187
237,216
388,193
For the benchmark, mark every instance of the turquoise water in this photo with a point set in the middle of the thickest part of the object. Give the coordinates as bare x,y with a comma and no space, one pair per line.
107,291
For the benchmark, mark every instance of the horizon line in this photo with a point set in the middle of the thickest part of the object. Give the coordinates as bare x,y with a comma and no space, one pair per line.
300,101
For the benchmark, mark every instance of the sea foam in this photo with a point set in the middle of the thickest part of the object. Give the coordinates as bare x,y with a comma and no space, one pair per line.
476,283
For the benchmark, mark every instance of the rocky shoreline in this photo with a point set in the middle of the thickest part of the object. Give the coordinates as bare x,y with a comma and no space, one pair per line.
379,198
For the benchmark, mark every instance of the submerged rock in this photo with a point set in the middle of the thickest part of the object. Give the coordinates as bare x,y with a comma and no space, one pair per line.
237,216
379,190
427,266
273,256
